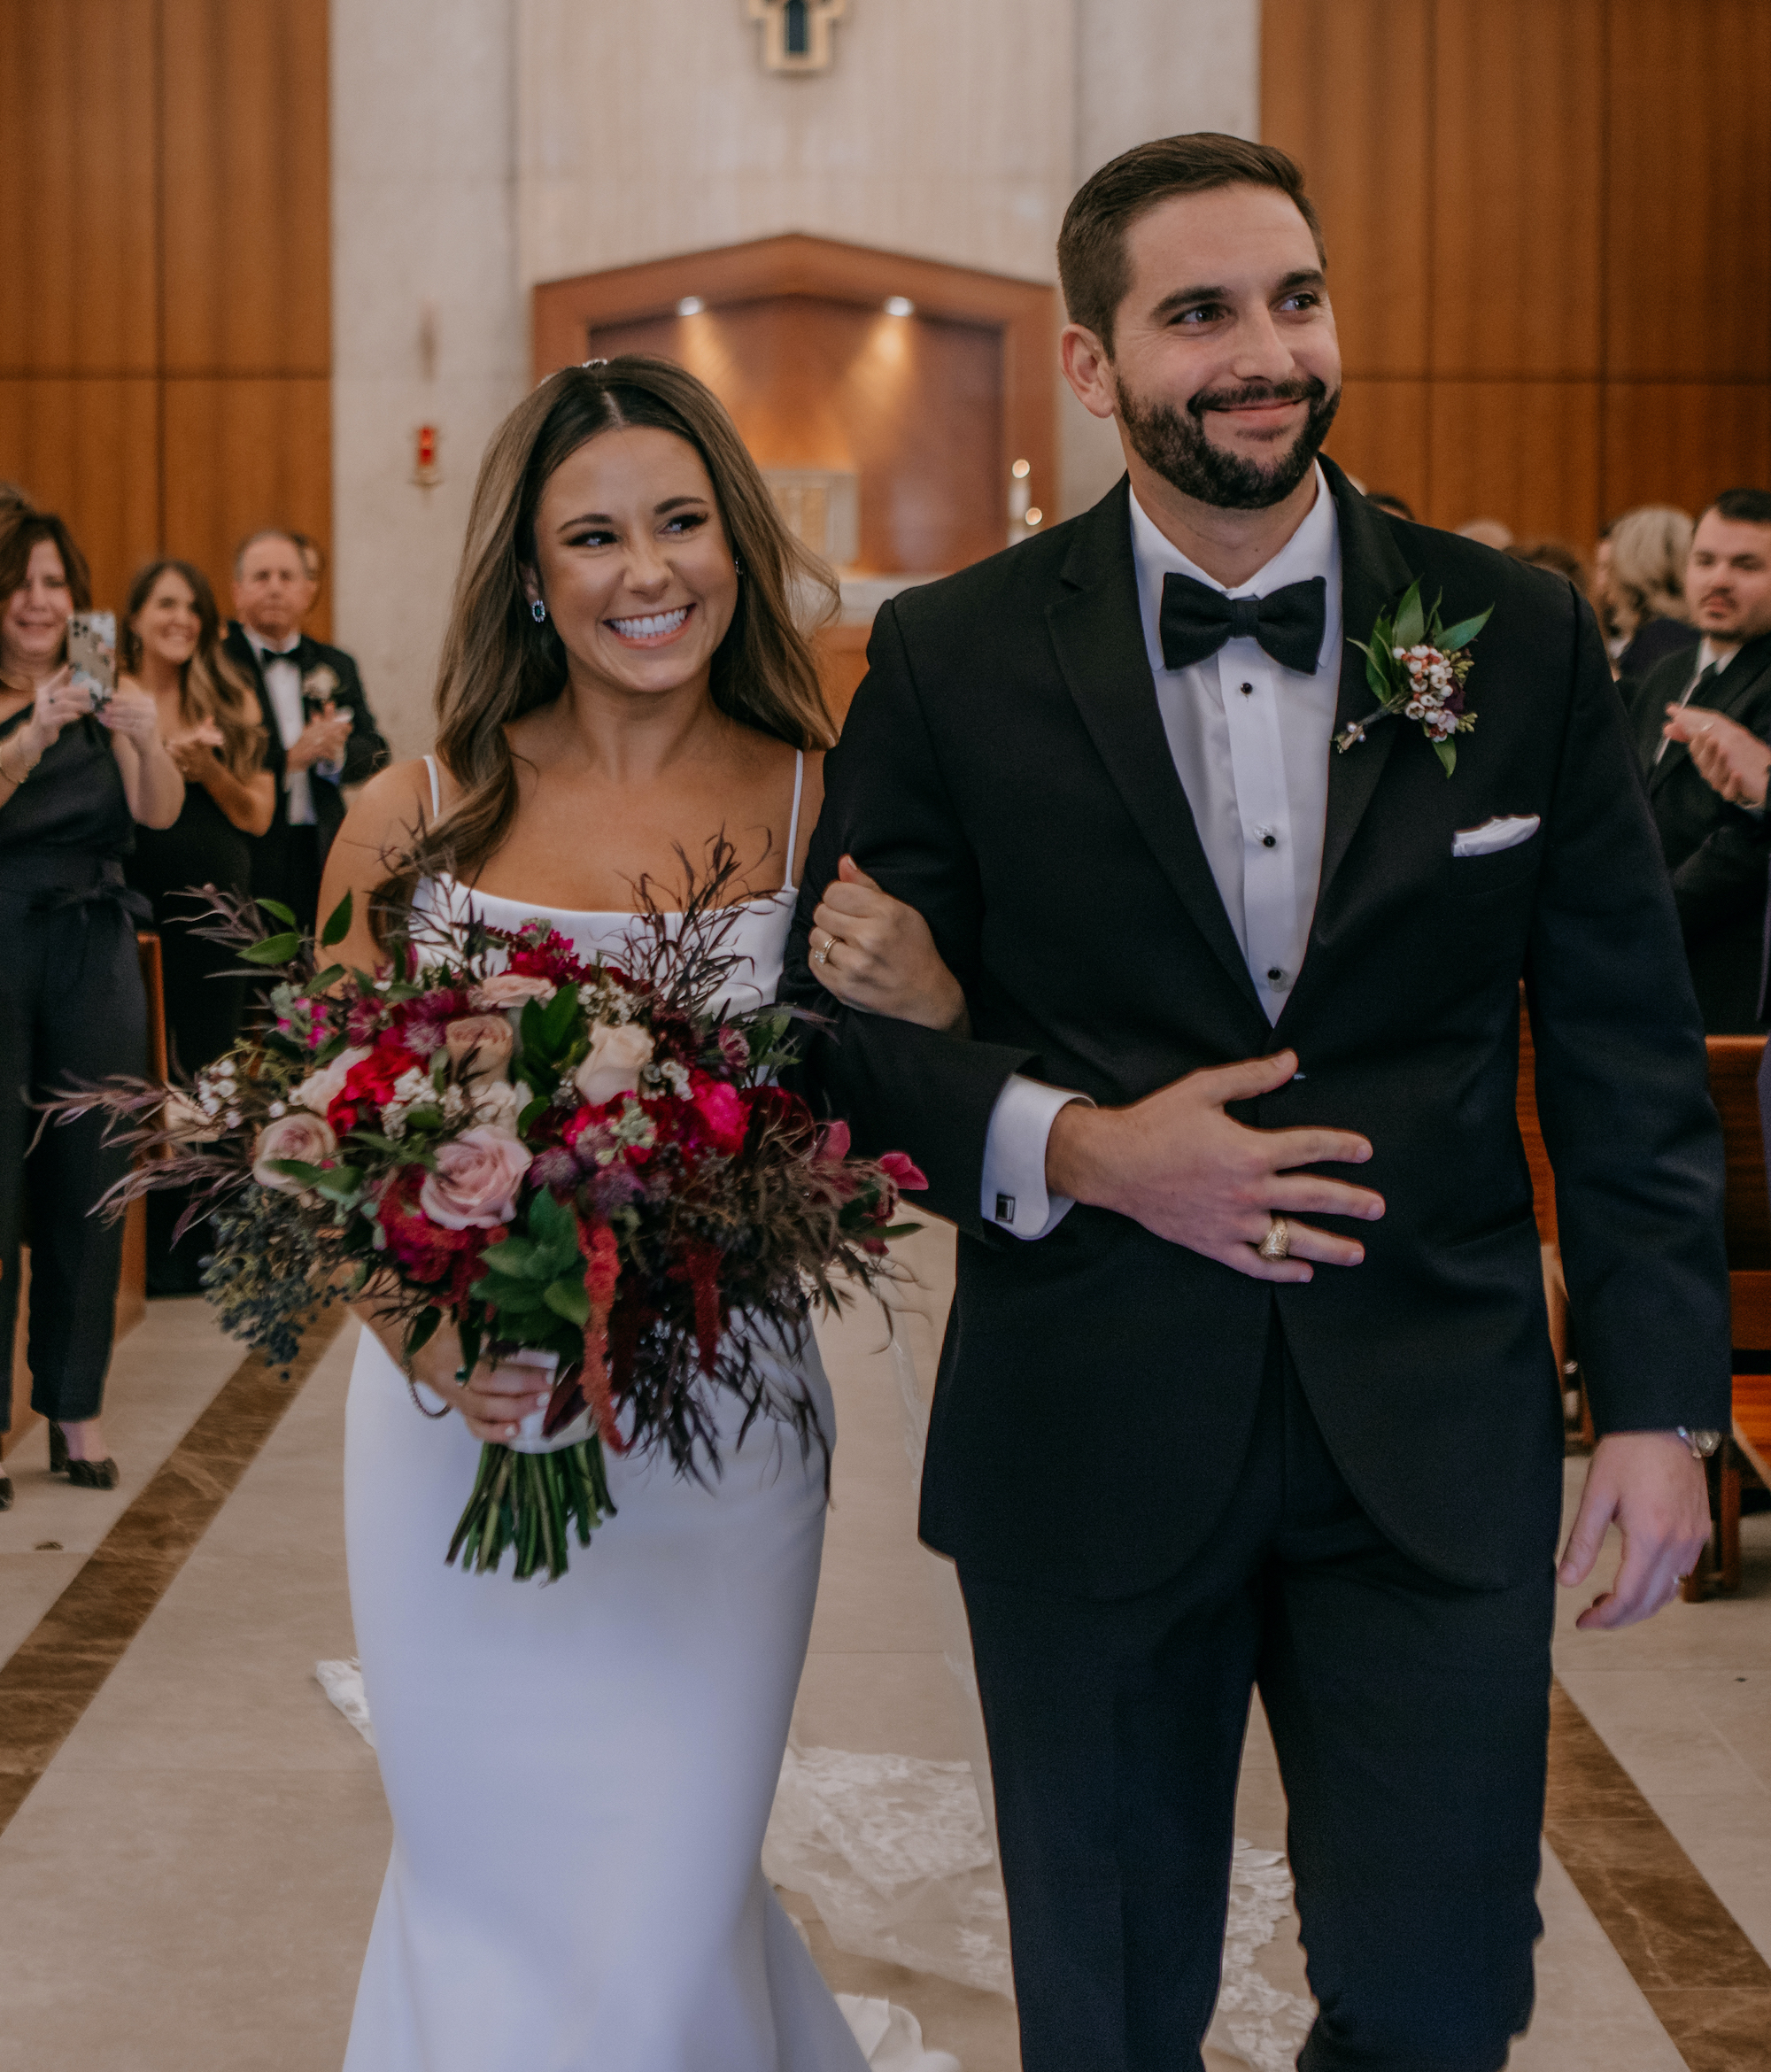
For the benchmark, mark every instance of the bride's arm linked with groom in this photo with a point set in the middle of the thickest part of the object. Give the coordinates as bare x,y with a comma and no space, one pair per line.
1247,1381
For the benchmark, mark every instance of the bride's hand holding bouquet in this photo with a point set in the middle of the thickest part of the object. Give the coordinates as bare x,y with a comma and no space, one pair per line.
551,1186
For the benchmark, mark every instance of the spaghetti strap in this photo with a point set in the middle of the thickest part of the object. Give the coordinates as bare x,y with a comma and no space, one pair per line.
436,789
792,826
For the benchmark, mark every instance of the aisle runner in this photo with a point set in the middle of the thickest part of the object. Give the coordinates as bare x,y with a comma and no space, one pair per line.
893,1852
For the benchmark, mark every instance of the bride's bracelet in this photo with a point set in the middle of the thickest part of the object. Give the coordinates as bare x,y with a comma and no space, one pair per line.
17,783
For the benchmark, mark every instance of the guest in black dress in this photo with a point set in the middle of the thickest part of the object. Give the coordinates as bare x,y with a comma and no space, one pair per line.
74,787
210,720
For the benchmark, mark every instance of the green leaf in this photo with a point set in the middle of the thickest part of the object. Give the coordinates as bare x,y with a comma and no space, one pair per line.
339,1183
1463,631
1447,753
567,1299
423,1330
552,1222
531,1115
1411,621
321,980
279,912
338,925
274,949
558,1017
298,1171
519,1258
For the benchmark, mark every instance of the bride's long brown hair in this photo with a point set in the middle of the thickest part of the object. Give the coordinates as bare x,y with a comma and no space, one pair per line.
497,663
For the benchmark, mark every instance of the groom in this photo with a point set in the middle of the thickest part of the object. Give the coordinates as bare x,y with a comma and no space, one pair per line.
1247,1381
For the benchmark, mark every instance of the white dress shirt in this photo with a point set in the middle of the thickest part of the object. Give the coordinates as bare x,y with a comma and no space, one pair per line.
1250,741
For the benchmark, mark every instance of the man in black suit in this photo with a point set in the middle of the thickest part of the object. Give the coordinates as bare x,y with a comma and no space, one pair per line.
320,733
1696,718
1184,1440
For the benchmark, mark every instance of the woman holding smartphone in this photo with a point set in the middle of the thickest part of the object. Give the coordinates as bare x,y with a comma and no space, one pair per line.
72,786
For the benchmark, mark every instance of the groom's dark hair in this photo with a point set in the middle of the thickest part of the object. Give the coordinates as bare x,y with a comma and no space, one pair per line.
1092,265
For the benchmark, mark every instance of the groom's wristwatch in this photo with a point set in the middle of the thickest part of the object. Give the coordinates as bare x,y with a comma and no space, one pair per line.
1701,1443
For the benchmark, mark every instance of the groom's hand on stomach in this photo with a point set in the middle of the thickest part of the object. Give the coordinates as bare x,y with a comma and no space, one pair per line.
1176,1164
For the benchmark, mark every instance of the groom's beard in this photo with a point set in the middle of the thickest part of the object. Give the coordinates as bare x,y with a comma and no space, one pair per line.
1175,443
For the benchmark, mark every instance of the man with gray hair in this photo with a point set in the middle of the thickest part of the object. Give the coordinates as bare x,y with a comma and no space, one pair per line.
320,734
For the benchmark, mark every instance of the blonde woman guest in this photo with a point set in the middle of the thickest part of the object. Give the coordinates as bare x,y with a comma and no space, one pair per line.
1643,588
580,1775
210,720
74,788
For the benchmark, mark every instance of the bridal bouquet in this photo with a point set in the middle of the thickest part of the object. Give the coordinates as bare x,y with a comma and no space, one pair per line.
586,1166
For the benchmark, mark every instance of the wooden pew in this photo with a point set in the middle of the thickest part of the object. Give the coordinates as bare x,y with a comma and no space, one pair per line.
132,1289
1543,1192
1733,1086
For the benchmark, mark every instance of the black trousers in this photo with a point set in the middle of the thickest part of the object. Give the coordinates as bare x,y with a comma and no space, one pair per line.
71,1008
1411,1720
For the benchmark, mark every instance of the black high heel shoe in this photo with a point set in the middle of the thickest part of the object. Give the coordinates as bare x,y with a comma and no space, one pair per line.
81,1474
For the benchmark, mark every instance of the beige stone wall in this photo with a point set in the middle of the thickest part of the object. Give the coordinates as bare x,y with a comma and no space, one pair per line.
430,319
482,145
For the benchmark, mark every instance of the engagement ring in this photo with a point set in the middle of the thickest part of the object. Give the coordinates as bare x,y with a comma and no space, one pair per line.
1277,1243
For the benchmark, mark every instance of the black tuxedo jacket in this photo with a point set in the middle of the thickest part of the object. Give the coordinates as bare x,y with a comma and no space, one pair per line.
1716,851
365,755
1003,768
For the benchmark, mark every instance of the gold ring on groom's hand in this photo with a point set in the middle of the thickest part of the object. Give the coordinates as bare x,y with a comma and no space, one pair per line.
1277,1243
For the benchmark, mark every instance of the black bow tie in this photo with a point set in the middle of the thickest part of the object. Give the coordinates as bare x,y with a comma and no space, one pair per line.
1197,620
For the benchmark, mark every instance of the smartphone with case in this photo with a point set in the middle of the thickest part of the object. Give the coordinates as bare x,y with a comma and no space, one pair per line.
92,654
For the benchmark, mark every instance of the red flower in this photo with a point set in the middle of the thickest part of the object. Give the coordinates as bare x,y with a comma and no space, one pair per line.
908,1179
722,1112
367,1085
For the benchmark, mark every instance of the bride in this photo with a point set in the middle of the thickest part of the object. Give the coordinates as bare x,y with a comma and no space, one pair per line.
580,1775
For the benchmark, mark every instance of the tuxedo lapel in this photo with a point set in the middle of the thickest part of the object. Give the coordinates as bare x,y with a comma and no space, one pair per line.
1097,631
1373,573
1729,692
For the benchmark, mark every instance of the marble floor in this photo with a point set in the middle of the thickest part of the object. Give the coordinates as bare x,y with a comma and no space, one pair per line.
188,1878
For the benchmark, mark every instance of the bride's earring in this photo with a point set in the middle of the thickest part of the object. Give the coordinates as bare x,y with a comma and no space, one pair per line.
737,568
538,611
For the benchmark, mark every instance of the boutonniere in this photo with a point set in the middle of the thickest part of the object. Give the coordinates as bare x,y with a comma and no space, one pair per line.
320,683
1415,669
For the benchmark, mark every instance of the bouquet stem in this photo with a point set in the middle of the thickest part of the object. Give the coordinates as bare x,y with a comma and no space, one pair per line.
529,1500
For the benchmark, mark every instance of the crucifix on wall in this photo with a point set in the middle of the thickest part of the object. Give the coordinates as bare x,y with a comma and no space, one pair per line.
796,33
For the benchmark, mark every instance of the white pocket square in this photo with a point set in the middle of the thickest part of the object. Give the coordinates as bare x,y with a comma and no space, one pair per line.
1494,835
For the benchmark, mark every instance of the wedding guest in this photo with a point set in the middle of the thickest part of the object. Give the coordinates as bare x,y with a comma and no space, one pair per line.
1701,720
1644,588
212,724
321,737
1554,554
74,786
1486,532
12,500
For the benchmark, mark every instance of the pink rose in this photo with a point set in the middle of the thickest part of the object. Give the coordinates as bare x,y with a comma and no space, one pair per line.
484,1039
509,989
318,1090
476,1181
306,1138
614,1063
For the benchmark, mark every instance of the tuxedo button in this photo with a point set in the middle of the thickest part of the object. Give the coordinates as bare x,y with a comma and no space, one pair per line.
1247,689
1275,977
1268,841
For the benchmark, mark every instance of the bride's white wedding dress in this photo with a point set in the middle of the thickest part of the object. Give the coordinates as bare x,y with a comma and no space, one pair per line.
580,1775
